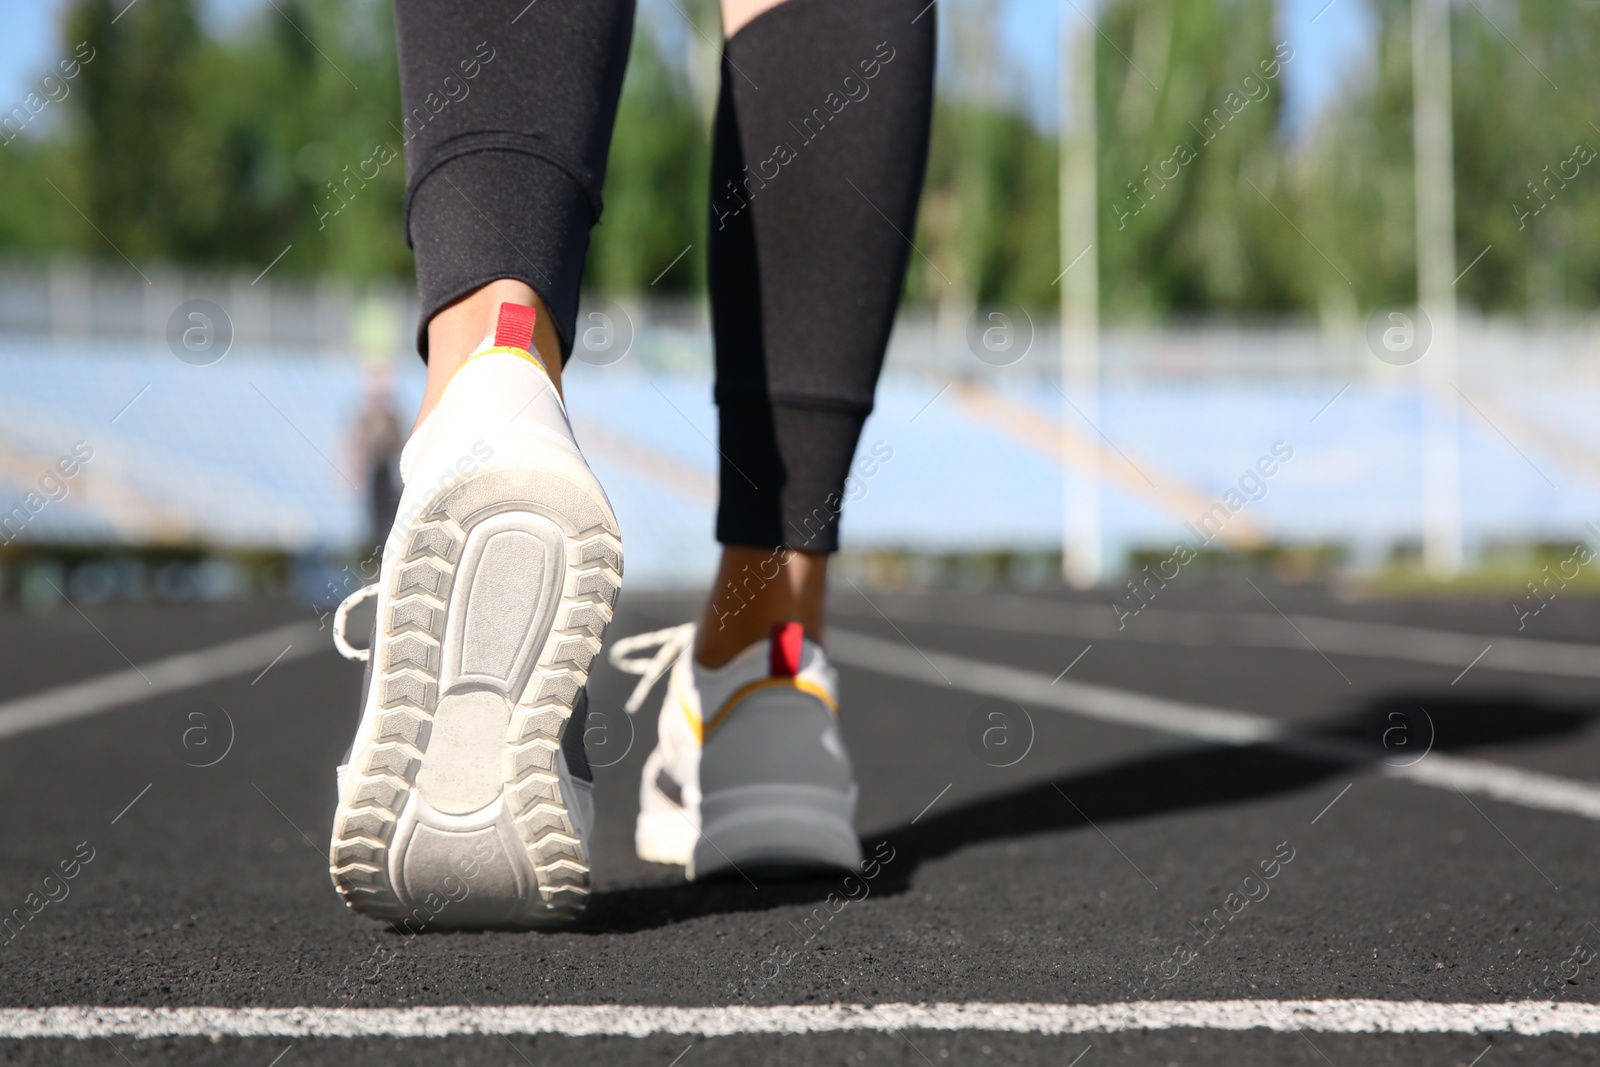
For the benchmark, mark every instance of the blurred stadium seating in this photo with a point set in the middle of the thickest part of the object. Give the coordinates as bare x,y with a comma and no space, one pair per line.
255,452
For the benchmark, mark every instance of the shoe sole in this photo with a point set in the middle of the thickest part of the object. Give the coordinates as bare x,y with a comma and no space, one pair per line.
456,807
777,829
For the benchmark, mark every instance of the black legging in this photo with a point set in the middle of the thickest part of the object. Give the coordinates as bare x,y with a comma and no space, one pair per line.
820,146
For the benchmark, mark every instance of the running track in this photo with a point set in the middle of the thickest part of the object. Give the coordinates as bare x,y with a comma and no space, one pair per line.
1435,910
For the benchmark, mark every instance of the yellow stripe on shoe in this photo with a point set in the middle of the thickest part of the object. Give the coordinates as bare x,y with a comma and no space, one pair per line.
703,730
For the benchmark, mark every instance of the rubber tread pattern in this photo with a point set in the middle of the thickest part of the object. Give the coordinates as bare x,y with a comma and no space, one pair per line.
408,654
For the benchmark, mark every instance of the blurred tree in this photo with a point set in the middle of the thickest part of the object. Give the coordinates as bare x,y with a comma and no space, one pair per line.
1523,197
1189,174
655,196
1353,183
988,217
1521,181
133,97
201,151
178,145
34,219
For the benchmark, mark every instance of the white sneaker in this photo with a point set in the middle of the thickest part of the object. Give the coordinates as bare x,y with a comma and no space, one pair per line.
465,800
749,771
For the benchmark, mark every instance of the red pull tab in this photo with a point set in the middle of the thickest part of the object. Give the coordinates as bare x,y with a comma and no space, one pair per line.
787,640
515,328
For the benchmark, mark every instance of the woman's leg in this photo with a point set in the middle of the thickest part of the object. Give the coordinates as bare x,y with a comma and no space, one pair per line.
820,146
820,143
466,798
508,120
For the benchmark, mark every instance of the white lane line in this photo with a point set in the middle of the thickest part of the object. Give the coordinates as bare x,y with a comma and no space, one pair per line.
1527,788
625,1020
1301,632
1376,640
1446,648
1530,789
77,700
1027,687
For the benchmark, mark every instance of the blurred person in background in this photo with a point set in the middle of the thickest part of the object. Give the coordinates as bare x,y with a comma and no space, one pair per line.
378,439
466,792
376,435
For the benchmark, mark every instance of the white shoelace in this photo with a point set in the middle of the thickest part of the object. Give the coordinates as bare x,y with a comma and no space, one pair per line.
650,655
346,649
632,655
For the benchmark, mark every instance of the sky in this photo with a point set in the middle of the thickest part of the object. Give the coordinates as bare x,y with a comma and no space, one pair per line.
1332,43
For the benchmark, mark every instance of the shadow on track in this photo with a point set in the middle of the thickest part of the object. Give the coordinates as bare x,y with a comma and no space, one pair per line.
1192,778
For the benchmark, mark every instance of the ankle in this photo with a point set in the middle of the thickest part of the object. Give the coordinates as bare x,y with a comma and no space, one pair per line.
755,590
457,331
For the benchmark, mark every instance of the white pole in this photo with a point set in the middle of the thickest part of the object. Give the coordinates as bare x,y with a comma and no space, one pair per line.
1436,259
1082,555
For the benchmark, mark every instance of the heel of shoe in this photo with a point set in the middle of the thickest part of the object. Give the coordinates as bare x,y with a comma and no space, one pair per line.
775,828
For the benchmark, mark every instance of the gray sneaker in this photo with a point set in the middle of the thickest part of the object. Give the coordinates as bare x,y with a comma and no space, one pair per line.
750,770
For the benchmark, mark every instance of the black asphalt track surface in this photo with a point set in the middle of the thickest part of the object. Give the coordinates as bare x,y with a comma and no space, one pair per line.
1056,879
